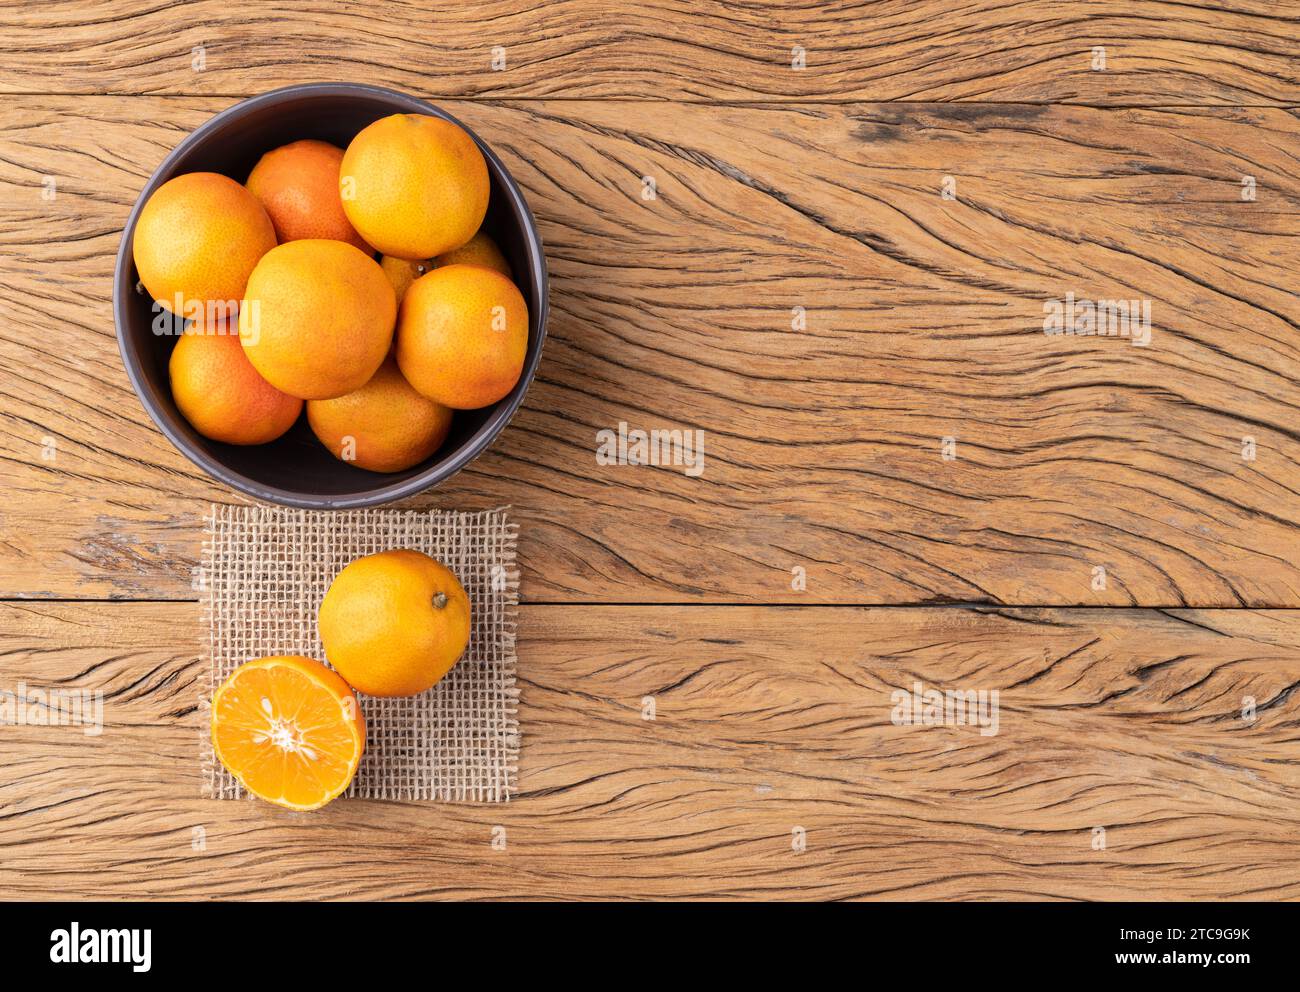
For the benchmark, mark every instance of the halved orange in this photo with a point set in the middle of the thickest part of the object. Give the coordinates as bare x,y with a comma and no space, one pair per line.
289,729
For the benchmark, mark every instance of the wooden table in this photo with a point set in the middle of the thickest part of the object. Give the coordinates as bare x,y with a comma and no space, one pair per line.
841,280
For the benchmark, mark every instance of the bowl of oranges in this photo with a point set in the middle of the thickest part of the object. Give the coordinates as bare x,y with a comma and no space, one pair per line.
331,296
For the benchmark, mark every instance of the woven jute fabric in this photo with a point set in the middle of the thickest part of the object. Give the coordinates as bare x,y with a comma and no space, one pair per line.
264,572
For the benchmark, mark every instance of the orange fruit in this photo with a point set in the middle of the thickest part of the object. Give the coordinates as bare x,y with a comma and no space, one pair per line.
414,186
462,335
317,318
289,729
478,250
198,238
385,426
298,184
402,272
219,392
394,623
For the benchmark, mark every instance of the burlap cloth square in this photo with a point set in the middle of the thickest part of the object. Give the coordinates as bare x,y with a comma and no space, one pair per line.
264,571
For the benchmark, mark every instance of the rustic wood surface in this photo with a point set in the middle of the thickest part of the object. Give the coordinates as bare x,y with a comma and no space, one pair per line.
823,445
767,719
1114,545
1157,51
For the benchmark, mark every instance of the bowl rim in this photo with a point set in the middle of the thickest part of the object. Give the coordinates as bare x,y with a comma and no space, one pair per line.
435,474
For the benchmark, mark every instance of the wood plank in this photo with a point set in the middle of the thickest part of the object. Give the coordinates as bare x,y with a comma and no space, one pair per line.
1038,51
766,719
924,320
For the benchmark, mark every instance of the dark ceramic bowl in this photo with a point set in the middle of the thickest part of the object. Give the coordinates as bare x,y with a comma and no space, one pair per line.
297,470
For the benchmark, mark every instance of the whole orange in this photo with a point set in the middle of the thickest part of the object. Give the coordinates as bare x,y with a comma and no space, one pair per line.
298,184
198,238
462,336
414,186
478,250
317,319
394,623
402,272
385,426
219,392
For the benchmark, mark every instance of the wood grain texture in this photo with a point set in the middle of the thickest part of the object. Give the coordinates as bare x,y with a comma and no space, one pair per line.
766,719
1036,51
779,192
823,445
